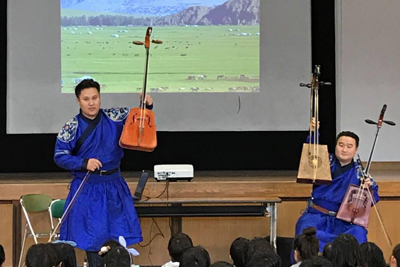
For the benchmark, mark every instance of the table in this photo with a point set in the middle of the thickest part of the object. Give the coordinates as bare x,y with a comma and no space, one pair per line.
176,208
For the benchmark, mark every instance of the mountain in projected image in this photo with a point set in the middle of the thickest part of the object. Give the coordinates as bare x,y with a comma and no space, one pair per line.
137,7
232,12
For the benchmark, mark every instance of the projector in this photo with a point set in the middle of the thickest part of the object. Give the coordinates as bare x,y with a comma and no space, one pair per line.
173,172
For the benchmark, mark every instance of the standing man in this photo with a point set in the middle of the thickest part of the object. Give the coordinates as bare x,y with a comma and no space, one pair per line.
90,142
326,199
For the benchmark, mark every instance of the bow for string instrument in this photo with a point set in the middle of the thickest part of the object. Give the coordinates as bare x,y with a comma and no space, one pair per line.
314,163
357,202
140,131
69,207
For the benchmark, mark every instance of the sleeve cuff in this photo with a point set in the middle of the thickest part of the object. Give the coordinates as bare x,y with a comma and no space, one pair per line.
147,106
84,164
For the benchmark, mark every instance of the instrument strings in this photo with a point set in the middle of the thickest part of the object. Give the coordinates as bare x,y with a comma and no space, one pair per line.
364,175
314,114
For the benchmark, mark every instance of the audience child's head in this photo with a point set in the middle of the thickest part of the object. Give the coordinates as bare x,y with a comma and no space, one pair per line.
238,251
327,251
265,259
346,251
2,255
195,257
317,261
41,255
117,256
107,246
395,258
371,255
68,254
177,245
59,254
221,264
306,244
258,245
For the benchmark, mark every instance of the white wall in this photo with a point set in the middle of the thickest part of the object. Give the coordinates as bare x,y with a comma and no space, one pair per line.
368,73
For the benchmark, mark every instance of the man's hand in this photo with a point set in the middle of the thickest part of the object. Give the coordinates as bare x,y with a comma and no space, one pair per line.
94,164
312,124
368,182
148,100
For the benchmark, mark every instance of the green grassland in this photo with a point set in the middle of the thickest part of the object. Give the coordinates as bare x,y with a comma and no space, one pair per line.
190,57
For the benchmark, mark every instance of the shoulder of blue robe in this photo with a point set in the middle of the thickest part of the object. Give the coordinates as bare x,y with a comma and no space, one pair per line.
116,114
359,172
331,160
68,131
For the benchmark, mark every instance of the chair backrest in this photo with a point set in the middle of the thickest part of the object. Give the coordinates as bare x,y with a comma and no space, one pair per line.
35,202
57,208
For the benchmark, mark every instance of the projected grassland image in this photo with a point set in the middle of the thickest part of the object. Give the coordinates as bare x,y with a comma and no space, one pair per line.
211,46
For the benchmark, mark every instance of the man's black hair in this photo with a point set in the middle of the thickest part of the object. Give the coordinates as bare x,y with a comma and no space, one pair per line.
84,84
349,134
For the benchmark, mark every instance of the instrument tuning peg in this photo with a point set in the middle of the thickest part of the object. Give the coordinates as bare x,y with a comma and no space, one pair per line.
324,83
305,85
317,70
391,123
370,121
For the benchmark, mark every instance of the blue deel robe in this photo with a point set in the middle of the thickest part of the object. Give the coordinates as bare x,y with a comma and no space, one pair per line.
104,209
330,197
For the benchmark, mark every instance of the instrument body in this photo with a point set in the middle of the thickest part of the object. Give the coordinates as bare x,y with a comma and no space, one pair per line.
314,165
356,206
357,201
140,131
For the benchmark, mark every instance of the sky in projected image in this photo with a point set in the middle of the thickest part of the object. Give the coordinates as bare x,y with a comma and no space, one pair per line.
208,45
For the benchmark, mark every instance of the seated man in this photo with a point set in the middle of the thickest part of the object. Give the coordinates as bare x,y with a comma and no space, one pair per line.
326,199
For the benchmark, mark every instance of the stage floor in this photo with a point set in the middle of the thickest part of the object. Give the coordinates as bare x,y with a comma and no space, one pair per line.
205,185
274,183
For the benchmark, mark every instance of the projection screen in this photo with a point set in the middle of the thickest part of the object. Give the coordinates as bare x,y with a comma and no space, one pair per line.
239,95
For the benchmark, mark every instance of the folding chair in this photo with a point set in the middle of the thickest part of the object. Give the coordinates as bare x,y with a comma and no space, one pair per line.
33,203
56,210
